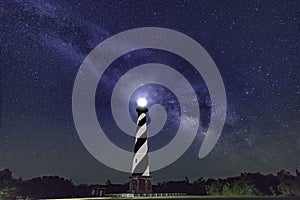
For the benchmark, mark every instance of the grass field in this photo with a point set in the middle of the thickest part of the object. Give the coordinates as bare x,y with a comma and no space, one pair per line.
193,197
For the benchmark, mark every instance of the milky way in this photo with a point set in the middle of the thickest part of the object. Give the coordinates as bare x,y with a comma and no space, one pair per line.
254,44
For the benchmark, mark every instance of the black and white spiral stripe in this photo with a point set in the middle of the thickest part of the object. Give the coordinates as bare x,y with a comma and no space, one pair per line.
140,161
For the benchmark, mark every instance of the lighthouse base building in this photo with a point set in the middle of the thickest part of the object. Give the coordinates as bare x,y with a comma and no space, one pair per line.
140,184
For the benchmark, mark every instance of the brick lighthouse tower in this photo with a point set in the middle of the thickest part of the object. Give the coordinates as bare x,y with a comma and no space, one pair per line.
140,180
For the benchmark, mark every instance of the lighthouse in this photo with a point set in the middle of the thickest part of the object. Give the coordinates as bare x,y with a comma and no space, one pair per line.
140,180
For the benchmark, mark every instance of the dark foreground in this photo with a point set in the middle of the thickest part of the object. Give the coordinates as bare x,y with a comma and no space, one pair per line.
254,185
196,197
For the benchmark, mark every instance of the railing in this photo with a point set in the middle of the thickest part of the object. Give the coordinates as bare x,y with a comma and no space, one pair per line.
146,194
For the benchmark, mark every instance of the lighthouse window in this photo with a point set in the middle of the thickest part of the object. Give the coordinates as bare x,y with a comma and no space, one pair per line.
135,160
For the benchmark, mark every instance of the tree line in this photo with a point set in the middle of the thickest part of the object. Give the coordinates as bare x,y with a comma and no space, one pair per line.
249,184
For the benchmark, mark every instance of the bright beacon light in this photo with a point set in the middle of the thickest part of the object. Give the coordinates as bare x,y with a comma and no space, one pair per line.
142,102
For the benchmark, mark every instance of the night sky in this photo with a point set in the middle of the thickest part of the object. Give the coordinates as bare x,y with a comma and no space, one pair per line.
255,45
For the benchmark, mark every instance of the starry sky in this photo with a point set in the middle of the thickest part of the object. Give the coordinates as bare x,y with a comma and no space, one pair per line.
255,45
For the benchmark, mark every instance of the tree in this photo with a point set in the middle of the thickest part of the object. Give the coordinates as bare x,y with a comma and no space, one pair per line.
284,175
108,182
200,186
289,187
214,188
8,193
6,174
8,185
48,187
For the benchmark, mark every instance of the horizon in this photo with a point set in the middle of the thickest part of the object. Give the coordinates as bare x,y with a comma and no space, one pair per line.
293,173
